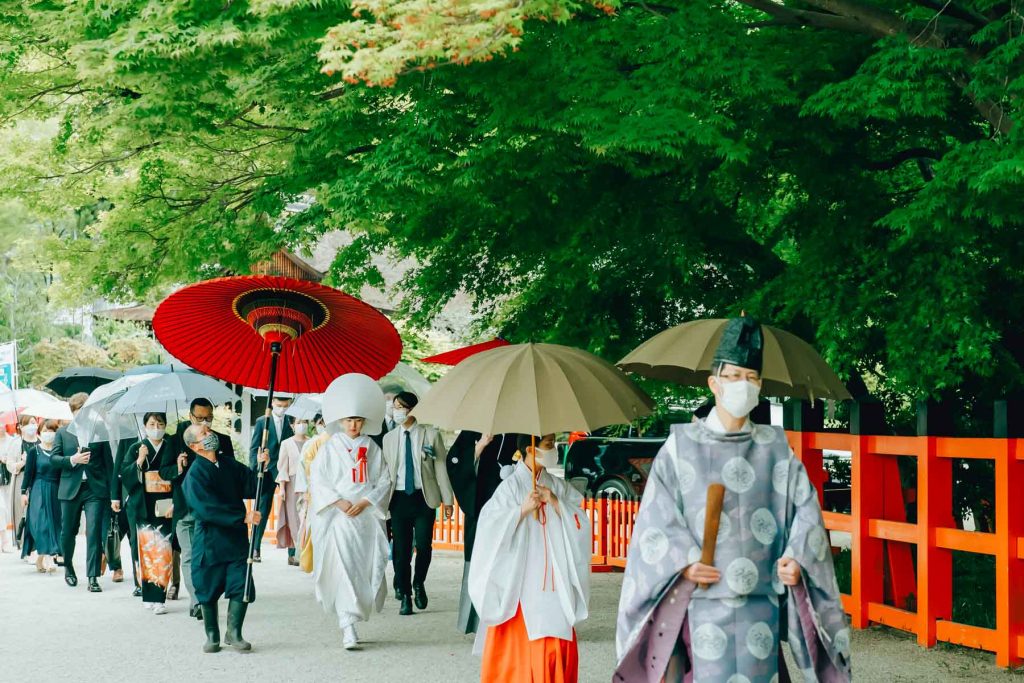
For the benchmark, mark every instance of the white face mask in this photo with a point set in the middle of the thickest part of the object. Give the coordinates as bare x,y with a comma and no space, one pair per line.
400,415
300,429
547,457
30,430
155,433
48,437
279,411
738,398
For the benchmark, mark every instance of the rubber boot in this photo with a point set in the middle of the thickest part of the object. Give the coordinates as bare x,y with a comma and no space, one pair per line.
236,615
211,626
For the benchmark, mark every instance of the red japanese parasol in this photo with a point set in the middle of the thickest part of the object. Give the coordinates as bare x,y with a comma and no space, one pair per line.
226,328
458,355
270,333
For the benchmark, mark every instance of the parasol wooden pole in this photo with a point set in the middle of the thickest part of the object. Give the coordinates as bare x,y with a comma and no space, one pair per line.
716,495
254,543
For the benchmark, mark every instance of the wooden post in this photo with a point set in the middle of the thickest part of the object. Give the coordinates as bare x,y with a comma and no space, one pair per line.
867,561
1009,425
934,511
800,416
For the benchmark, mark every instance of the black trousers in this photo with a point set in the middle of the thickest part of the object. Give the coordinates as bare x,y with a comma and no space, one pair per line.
95,529
412,523
266,502
221,578
123,529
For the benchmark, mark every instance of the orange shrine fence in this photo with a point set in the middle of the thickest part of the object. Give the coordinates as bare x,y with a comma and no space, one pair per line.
908,564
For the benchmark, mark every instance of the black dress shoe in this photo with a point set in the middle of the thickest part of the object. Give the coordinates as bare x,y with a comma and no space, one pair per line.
420,597
94,586
196,612
398,594
406,608
257,558
70,579
137,593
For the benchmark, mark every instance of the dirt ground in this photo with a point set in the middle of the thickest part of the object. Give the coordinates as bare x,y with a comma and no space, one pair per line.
56,633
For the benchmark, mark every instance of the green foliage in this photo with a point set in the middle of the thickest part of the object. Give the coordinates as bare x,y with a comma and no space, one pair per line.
853,176
47,358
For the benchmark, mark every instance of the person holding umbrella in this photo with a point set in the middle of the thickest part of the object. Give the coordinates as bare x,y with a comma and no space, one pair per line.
150,508
769,541
530,575
279,427
215,489
349,490
174,466
84,483
474,465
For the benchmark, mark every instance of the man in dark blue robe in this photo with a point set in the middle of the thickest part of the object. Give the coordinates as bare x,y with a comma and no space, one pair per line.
215,489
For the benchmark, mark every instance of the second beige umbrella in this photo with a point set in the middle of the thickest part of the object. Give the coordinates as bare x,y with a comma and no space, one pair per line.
683,354
533,389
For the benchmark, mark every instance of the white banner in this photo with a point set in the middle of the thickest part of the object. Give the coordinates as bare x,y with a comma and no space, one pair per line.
9,365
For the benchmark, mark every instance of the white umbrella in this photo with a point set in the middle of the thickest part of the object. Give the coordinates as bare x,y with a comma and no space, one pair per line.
407,377
96,422
306,406
37,403
170,392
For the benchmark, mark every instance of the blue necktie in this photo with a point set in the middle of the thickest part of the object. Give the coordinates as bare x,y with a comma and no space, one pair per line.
410,473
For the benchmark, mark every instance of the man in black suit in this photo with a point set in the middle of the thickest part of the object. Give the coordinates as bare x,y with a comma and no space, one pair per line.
474,468
124,525
84,484
174,465
280,428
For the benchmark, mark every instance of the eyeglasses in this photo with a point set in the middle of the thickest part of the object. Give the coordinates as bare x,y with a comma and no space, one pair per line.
201,420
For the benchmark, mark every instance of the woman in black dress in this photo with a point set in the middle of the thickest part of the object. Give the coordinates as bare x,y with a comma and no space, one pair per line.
150,509
39,497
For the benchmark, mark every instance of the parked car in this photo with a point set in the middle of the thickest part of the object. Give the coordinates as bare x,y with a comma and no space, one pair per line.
616,467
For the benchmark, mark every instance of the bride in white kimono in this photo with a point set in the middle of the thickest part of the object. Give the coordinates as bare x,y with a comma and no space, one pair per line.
349,493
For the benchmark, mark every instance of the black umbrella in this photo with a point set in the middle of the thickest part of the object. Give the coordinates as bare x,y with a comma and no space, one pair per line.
74,380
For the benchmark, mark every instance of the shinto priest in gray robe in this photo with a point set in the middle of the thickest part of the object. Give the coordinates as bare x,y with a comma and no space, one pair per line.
670,630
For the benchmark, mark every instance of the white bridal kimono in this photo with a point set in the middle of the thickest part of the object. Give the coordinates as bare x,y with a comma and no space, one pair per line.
349,553
545,568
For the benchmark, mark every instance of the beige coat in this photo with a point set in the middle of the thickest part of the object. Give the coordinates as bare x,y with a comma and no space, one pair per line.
437,488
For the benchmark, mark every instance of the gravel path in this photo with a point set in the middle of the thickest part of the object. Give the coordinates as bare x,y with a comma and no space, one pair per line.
55,633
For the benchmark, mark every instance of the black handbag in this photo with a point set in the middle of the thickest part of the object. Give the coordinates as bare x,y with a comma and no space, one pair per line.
5,475
113,545
19,537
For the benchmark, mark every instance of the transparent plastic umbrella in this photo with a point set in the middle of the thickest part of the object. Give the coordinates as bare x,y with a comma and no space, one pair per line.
171,392
96,421
407,377
306,406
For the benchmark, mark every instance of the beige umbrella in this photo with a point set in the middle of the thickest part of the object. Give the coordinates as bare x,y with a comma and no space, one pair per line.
683,354
532,389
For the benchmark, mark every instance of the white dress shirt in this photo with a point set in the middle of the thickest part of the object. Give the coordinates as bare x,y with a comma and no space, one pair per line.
416,432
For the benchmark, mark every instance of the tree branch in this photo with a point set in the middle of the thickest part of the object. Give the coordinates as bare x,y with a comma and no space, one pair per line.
787,16
951,10
901,157
102,162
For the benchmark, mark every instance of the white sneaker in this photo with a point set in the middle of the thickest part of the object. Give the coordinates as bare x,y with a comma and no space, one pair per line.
148,605
351,638
159,608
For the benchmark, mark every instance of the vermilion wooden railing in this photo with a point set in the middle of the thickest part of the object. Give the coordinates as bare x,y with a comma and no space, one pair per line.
924,593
